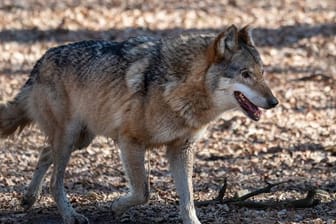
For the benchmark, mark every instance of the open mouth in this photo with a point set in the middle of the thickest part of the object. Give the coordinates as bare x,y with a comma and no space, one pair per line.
248,107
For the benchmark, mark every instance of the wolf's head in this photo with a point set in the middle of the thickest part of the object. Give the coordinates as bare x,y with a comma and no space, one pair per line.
236,73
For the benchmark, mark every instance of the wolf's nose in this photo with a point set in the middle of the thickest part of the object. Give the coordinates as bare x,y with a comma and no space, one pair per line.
272,102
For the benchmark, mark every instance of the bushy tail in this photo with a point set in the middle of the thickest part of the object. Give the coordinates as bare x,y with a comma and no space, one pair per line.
14,115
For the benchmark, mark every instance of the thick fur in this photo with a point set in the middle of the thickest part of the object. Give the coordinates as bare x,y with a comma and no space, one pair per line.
142,92
13,115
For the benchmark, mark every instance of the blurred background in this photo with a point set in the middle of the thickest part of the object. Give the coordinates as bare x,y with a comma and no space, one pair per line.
296,140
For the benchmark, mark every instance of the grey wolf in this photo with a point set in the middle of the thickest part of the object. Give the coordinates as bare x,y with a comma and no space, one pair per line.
142,92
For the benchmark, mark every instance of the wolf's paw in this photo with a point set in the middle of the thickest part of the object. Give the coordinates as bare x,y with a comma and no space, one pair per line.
191,220
117,210
120,206
196,222
76,219
28,201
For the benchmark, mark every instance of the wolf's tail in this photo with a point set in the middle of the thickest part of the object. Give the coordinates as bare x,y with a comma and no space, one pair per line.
14,114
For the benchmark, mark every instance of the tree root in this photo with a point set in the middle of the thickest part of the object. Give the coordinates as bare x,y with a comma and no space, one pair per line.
241,201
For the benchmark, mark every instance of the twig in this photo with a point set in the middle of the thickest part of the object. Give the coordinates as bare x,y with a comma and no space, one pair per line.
218,199
266,189
222,191
308,201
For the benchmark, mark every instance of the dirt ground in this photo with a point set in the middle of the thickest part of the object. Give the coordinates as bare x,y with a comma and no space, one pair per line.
295,141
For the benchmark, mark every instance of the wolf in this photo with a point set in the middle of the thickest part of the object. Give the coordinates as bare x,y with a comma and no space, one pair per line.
144,93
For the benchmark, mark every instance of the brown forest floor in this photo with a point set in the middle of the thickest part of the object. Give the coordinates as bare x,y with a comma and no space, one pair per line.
296,140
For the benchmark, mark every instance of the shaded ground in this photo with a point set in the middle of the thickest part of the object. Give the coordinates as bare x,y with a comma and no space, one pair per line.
295,141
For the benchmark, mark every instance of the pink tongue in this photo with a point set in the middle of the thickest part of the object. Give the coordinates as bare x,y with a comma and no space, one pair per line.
251,107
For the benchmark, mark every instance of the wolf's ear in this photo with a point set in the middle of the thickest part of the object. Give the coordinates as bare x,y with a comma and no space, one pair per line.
245,35
230,40
225,44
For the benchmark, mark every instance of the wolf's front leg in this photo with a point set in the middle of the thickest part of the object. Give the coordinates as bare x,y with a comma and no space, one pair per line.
180,158
133,159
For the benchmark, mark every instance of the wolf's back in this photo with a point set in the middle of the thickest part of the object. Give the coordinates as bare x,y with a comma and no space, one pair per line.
84,61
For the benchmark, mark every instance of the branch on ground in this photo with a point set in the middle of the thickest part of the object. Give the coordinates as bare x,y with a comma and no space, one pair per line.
241,201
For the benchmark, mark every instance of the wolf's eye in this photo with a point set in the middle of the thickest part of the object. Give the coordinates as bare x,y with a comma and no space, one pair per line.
246,74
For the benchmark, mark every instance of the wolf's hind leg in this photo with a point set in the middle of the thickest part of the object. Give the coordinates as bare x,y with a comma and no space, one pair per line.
133,159
45,160
35,186
64,142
